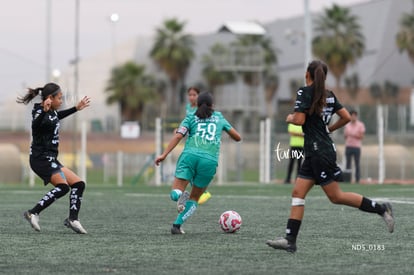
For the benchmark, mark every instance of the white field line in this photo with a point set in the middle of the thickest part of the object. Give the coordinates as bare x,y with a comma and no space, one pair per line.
252,197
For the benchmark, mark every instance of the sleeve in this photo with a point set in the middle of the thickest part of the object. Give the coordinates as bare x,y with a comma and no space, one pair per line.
226,125
184,126
338,106
64,113
302,103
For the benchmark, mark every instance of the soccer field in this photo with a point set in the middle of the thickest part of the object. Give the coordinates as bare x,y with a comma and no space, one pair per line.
129,233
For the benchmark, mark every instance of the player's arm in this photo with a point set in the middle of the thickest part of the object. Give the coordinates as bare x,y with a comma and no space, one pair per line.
344,118
85,102
297,118
234,134
178,136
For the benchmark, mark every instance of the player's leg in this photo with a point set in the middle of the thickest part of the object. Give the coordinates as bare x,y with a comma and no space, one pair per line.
205,170
190,207
337,196
183,175
75,200
177,188
179,194
302,186
204,197
60,189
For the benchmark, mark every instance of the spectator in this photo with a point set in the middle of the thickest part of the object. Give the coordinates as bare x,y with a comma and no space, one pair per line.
354,133
296,149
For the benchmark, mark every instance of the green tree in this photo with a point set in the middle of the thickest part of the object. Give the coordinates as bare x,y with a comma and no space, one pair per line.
339,41
405,36
211,71
173,52
249,46
131,88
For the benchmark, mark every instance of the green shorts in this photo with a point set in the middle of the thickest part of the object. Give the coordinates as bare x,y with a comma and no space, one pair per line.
198,170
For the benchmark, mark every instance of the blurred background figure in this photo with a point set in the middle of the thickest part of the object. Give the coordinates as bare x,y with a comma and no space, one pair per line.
296,149
354,133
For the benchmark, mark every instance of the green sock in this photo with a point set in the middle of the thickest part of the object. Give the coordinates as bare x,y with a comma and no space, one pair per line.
190,208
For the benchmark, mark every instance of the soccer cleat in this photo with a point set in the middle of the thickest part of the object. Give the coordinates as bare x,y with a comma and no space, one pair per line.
176,230
33,219
75,225
182,200
282,243
388,217
204,197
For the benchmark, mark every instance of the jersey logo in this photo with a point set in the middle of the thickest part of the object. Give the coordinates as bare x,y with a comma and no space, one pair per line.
299,92
330,100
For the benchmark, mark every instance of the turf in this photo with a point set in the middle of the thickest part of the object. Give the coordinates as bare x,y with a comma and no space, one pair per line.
129,233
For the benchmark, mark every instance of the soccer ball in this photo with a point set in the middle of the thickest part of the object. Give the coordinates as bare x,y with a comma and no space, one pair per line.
230,221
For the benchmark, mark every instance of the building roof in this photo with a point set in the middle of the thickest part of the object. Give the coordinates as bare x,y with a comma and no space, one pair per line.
243,28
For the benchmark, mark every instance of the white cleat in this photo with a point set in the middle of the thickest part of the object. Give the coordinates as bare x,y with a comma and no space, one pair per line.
33,219
75,225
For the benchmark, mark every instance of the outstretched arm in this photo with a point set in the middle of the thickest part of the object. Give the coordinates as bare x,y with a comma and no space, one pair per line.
173,142
85,102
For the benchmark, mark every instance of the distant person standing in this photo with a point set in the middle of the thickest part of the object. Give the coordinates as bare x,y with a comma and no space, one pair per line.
296,149
354,133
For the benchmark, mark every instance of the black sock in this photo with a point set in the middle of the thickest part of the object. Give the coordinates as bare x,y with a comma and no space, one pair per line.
177,225
371,206
75,199
292,230
59,191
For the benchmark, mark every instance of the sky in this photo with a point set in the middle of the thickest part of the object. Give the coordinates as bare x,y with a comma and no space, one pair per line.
23,28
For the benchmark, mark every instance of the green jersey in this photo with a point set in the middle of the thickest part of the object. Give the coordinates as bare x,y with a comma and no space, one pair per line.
189,109
204,135
317,139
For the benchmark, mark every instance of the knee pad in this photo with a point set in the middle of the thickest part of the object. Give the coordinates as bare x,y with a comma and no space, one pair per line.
175,194
298,202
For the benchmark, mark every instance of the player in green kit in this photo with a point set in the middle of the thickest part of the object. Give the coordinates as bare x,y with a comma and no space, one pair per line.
199,159
190,108
314,108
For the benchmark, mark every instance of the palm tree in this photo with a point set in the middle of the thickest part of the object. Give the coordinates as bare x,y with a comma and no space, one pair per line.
339,41
256,44
213,75
131,88
405,37
263,45
173,52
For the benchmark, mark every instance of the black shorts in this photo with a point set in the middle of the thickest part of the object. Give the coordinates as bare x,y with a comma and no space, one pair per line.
45,167
322,169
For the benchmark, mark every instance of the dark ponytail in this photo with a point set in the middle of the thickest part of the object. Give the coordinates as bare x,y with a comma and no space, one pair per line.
317,72
49,89
204,105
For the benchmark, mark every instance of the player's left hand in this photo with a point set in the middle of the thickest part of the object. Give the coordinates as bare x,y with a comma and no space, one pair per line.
85,102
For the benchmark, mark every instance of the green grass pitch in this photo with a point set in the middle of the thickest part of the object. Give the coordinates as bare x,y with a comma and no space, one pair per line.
129,233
